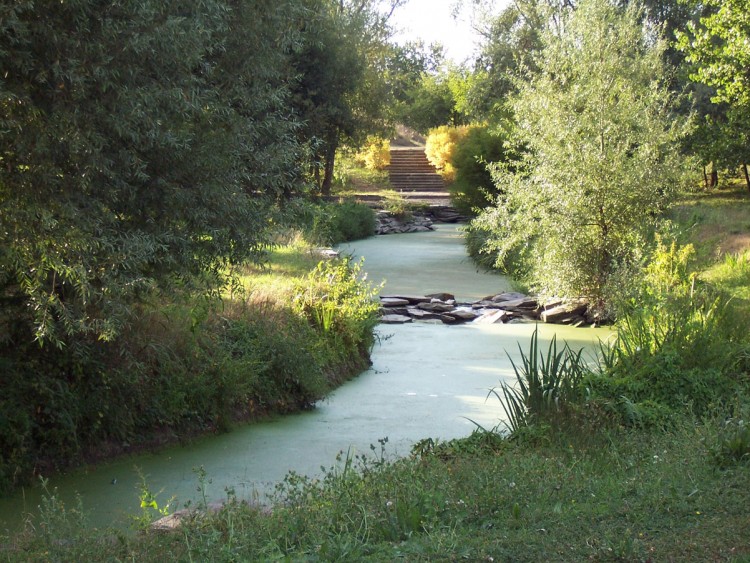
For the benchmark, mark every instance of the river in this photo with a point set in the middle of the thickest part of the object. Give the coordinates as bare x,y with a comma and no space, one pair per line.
426,380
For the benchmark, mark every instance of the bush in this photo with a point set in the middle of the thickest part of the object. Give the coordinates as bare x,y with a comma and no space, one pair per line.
324,223
680,344
439,148
473,181
181,368
351,221
375,155
338,301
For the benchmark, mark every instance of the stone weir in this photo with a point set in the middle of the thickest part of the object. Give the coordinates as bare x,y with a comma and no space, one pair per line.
387,223
506,307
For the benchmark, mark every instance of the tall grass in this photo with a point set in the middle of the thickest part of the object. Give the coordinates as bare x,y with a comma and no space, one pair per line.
546,384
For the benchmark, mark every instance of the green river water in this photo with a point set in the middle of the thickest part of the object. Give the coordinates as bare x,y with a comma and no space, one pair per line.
426,380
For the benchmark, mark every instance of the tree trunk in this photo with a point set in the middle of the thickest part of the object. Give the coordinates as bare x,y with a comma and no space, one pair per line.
714,178
705,178
747,177
330,158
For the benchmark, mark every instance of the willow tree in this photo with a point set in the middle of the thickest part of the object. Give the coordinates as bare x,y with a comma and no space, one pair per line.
602,156
138,142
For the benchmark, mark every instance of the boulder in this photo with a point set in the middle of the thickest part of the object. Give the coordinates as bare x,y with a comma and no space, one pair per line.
524,303
441,296
450,320
493,317
412,299
463,314
394,311
436,307
420,315
395,319
565,311
506,296
393,301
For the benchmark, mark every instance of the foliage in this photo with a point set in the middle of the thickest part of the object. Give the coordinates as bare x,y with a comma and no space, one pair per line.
340,96
329,223
546,386
719,47
179,369
397,205
138,144
351,221
512,40
473,187
376,153
602,158
679,345
440,146
732,444
435,100
337,299
642,495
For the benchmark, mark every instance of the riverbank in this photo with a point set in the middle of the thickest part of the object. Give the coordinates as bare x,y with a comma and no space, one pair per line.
187,369
650,464
616,496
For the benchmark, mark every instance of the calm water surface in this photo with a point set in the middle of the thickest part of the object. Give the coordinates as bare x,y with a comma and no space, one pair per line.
426,381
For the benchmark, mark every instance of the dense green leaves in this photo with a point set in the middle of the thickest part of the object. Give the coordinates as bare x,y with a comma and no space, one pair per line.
341,94
718,48
602,157
138,143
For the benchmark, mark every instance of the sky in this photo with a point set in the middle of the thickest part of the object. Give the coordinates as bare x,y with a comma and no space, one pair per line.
432,21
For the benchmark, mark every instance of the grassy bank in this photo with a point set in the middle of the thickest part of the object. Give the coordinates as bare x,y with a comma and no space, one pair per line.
643,456
188,365
610,496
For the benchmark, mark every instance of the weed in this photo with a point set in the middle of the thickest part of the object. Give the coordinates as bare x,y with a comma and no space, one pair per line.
732,443
545,385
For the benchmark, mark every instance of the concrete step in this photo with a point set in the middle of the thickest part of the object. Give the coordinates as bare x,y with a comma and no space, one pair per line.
411,172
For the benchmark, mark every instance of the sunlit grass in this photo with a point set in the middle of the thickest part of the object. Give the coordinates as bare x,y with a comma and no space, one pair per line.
286,264
717,223
732,274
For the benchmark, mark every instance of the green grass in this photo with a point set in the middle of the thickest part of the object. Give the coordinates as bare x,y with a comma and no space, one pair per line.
603,496
716,223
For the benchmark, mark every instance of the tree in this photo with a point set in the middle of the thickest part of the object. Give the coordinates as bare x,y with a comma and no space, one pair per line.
473,187
511,41
602,157
139,143
341,94
719,49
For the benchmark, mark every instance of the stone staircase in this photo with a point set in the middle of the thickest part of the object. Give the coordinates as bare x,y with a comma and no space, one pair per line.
412,174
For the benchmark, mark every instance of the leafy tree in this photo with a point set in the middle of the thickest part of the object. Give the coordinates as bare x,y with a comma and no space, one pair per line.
473,187
139,142
341,95
719,48
602,158
510,42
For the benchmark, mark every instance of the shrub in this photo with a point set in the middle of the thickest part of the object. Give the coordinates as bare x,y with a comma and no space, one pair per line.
440,145
337,299
680,343
324,223
376,154
351,221
473,186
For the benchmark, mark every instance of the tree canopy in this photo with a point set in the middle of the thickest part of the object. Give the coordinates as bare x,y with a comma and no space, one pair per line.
140,144
602,155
